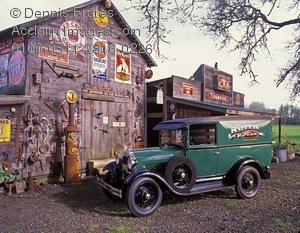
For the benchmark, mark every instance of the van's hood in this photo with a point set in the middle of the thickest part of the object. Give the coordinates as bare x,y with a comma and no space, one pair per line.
148,158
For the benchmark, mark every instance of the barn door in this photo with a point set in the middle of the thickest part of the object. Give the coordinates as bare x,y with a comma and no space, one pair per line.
105,128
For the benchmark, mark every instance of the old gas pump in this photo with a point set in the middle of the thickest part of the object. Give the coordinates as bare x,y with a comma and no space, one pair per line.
71,173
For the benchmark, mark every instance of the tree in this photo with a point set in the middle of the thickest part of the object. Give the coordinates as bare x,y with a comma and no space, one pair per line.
242,25
285,111
258,106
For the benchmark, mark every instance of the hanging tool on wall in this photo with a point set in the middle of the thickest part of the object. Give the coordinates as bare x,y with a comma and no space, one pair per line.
19,157
44,147
66,74
61,105
117,117
34,158
77,113
49,103
102,130
40,84
97,115
58,75
5,162
18,147
30,127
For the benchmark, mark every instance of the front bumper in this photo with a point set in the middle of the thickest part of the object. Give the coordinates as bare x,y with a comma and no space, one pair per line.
114,191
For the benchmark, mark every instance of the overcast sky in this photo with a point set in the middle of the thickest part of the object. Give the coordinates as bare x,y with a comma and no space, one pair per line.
188,49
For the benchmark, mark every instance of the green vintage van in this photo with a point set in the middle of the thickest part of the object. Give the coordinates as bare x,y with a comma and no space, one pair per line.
198,155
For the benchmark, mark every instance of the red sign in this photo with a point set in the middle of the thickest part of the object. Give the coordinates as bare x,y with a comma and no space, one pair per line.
72,35
217,97
223,83
149,74
187,89
11,44
54,55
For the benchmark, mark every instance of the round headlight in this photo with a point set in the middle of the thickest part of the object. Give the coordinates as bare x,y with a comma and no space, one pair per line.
118,158
131,162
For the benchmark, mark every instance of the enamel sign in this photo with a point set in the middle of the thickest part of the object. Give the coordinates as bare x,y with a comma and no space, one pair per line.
99,69
4,130
72,36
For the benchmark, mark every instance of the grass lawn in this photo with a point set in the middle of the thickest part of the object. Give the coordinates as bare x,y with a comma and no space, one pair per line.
290,133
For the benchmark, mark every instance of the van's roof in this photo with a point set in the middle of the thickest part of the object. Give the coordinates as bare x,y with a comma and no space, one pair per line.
181,122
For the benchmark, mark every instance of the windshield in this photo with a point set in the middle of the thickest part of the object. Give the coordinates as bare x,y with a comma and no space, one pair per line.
172,137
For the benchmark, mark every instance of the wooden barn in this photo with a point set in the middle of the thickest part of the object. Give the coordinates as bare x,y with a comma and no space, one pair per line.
89,49
209,92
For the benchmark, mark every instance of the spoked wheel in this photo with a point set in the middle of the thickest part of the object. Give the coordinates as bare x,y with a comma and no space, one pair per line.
180,174
248,182
143,196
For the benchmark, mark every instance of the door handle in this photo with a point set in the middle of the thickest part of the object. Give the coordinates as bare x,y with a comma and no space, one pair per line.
216,153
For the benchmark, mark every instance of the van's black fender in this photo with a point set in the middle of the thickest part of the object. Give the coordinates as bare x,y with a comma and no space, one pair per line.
112,168
154,175
245,161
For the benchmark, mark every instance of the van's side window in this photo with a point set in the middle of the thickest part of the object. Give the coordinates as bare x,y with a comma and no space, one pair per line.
202,134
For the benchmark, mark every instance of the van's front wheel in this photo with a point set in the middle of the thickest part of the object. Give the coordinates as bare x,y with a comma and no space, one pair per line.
143,196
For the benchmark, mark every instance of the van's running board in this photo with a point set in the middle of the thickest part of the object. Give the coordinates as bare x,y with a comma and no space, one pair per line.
203,187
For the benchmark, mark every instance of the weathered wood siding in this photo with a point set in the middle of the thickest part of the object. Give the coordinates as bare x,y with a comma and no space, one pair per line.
97,138
13,147
210,93
186,88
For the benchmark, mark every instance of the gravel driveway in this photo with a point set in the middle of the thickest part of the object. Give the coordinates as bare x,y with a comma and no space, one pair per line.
84,208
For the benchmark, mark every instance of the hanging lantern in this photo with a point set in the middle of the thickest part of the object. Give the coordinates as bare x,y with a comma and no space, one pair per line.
159,96
107,4
148,74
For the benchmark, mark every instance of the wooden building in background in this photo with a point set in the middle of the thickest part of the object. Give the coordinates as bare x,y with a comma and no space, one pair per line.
89,49
209,92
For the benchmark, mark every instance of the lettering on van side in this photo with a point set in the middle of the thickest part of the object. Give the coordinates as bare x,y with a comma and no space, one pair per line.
246,131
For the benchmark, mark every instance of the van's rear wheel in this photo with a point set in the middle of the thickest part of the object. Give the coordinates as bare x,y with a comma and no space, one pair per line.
248,182
180,173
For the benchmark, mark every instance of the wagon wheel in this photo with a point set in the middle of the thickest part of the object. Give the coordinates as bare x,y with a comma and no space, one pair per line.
180,173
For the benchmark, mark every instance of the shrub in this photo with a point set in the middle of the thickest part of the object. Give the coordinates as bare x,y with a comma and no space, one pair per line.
280,146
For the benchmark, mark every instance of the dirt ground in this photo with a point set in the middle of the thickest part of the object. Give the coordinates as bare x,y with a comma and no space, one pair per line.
84,208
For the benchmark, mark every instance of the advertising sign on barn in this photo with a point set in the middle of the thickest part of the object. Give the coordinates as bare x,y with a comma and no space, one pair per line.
123,64
99,69
12,73
72,36
4,130
187,89
54,55
100,18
